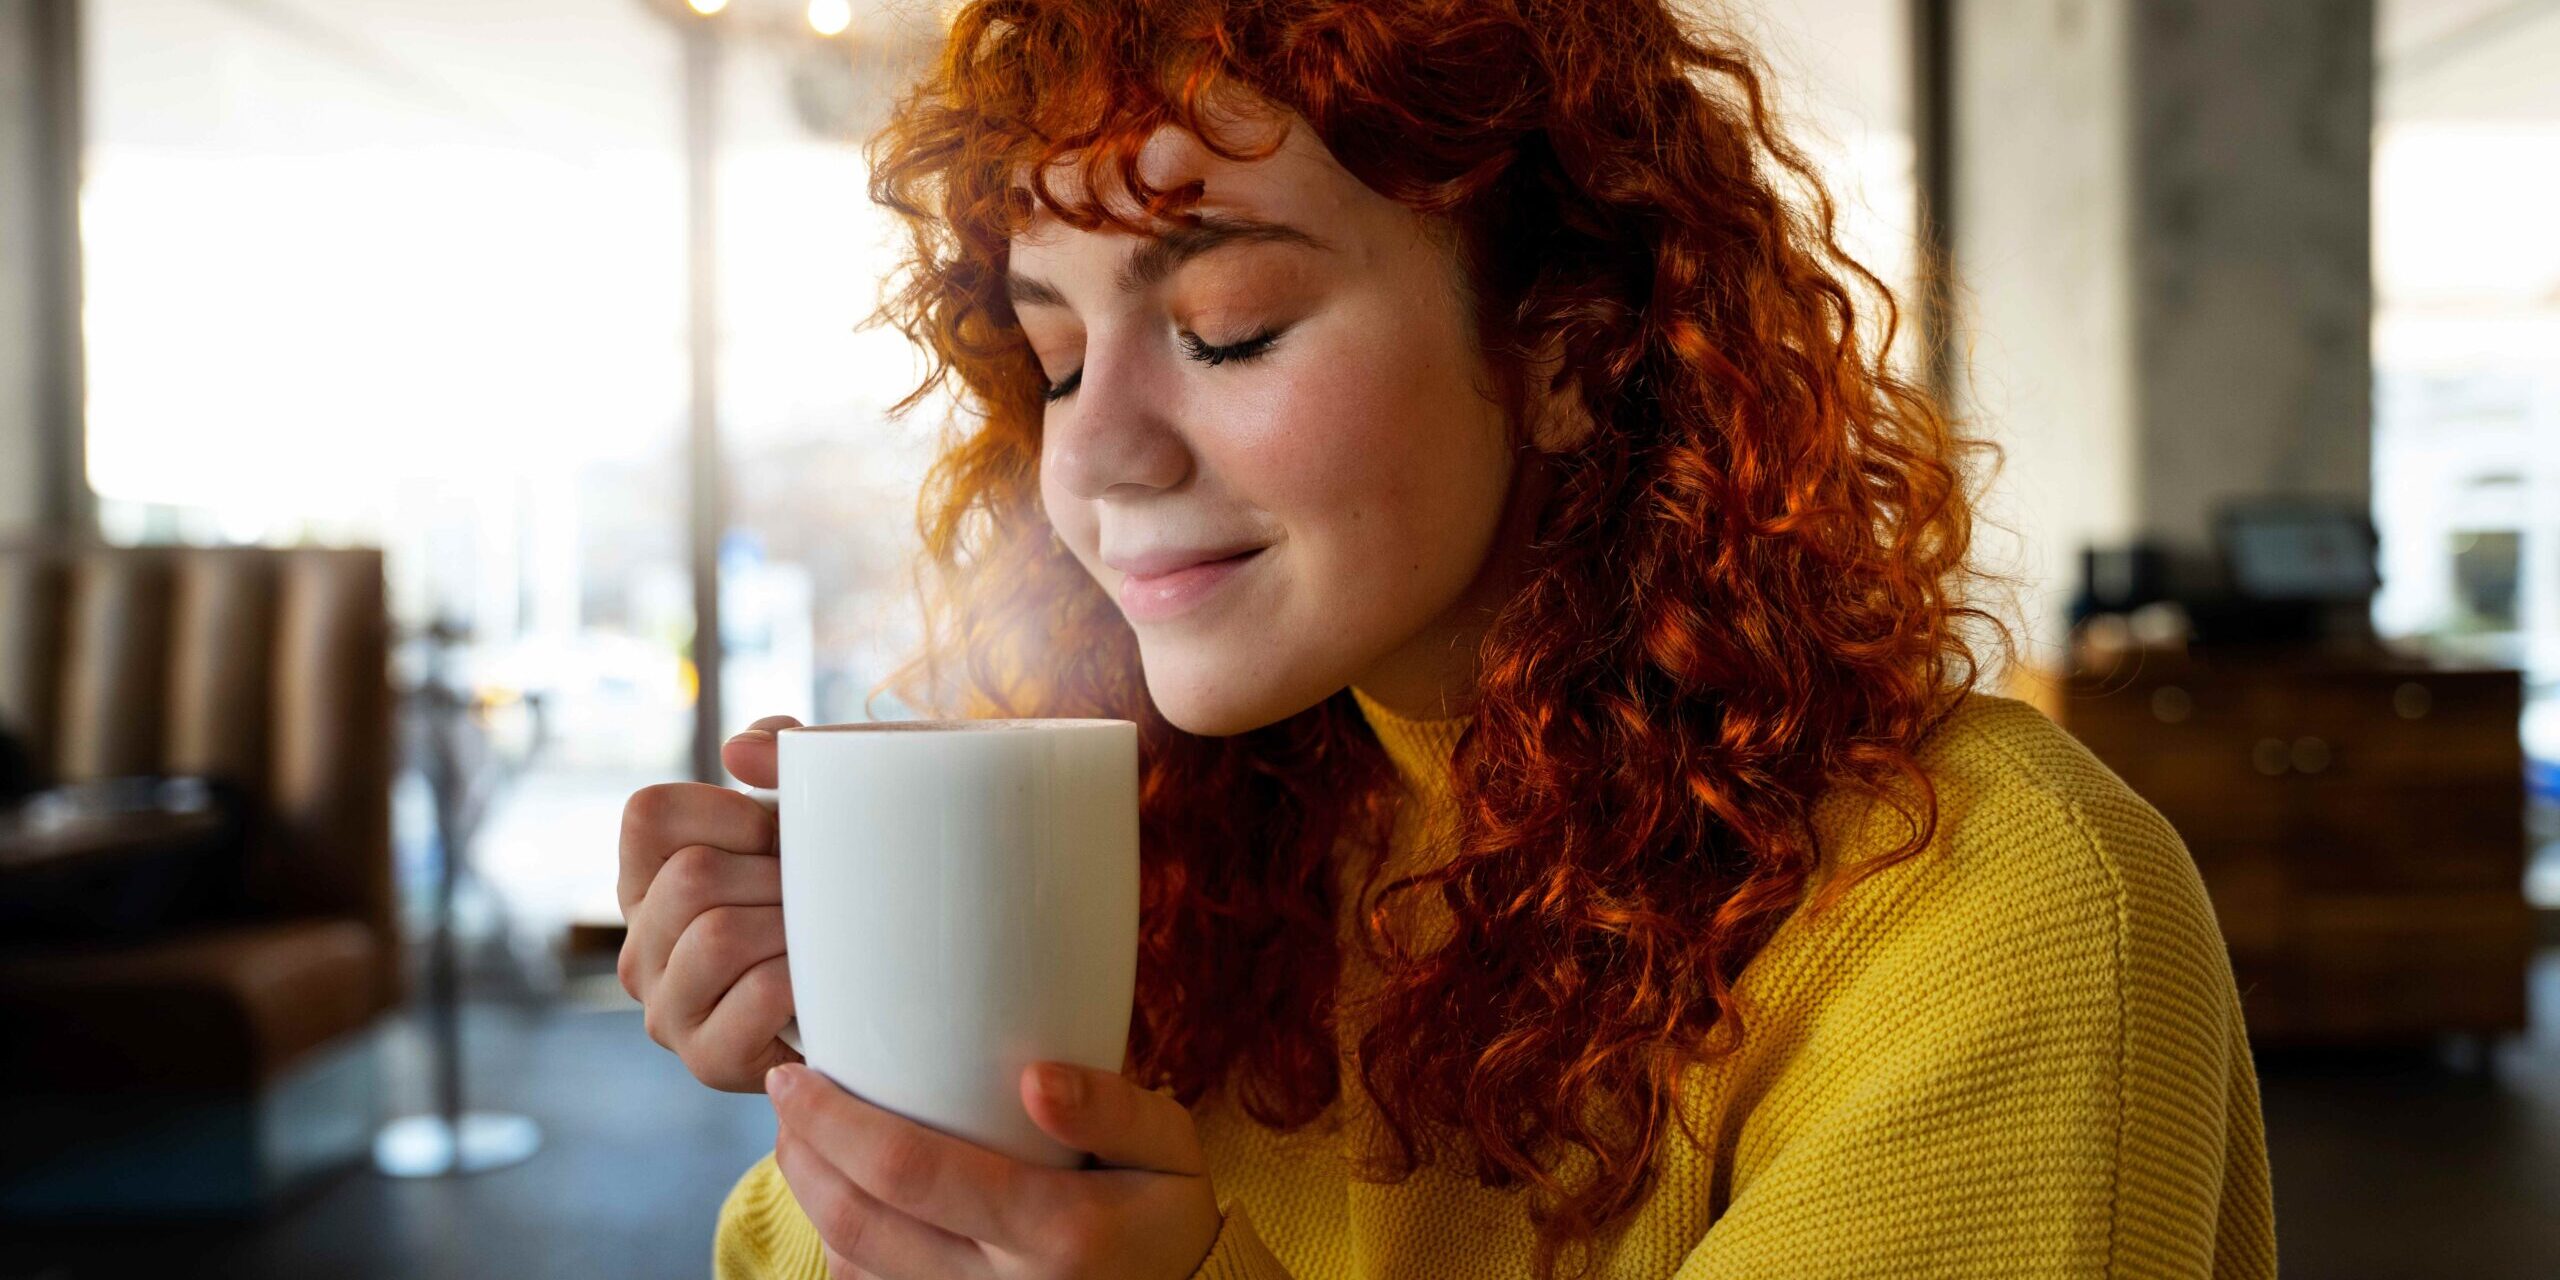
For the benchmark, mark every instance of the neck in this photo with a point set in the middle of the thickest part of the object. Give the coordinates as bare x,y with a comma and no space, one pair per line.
1420,747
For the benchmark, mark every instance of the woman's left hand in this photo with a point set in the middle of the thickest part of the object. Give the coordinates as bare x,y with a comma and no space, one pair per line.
897,1200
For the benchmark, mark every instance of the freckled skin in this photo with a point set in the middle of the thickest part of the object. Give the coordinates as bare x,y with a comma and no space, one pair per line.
1361,446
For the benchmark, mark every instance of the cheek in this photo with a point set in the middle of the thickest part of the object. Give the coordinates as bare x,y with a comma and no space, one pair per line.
1385,470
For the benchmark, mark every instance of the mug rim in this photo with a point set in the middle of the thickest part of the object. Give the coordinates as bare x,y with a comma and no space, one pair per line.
993,723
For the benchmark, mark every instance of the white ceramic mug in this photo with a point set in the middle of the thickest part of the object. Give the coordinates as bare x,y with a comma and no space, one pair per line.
960,900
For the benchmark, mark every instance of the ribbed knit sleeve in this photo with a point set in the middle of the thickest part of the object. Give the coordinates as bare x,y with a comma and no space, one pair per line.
2038,1069
763,1234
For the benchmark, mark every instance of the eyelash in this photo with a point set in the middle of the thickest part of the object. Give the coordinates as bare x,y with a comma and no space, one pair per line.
1248,349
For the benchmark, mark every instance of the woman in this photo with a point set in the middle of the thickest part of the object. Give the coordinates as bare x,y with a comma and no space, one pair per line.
1574,840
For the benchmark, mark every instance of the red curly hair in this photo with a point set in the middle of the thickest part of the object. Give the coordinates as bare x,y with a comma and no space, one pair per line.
1747,588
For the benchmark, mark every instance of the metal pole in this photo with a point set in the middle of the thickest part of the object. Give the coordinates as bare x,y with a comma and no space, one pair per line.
708,481
449,1141
444,985
1932,31
66,503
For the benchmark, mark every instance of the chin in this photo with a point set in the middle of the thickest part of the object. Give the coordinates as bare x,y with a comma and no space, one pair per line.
1213,696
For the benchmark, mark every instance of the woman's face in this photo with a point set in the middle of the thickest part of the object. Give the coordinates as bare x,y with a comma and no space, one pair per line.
1306,398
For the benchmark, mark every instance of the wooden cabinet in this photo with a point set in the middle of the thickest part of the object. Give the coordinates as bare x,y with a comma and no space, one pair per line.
2359,823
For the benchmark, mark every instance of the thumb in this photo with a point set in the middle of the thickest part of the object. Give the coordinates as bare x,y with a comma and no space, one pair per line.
1106,1113
749,757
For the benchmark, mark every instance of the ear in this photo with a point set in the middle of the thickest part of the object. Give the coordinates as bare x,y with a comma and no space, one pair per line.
1559,419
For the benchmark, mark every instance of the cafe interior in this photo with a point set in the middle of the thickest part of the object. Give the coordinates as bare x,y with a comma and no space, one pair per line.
422,426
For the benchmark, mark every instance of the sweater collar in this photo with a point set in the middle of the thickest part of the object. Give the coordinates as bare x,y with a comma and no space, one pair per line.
1421,749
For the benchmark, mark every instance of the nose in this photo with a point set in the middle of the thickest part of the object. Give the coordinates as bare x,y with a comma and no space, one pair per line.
1116,431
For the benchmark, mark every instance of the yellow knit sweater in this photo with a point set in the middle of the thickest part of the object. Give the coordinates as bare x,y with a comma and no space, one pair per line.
2018,1054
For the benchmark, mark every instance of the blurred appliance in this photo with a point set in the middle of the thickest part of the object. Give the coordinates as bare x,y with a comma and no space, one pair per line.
2293,570
2299,549
207,1064
2120,579
2282,570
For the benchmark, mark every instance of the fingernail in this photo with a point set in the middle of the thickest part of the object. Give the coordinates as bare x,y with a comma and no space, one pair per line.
1063,1088
753,735
779,1081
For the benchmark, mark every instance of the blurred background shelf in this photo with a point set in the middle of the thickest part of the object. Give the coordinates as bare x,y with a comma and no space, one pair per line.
2358,819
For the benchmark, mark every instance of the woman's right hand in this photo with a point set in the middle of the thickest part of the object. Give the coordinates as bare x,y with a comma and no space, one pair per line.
701,894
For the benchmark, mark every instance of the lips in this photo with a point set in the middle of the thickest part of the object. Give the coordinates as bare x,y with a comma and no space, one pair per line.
1162,596
1193,563
1164,560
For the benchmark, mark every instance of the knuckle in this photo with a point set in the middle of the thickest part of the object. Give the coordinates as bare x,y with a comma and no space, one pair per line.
724,1077
707,1067
1033,1207
901,1168
718,1058
692,873
724,935
768,985
843,1222
650,807
1075,1239
747,935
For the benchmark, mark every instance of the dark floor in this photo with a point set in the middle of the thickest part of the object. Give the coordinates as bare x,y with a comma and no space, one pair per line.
2414,1165
636,1156
2421,1165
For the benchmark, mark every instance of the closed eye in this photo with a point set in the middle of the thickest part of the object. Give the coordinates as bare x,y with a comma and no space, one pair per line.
1248,349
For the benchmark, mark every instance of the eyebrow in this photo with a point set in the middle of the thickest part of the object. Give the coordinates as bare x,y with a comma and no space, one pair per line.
1160,254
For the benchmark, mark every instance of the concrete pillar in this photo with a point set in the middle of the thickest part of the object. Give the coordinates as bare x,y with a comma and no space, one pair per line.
2161,214
42,483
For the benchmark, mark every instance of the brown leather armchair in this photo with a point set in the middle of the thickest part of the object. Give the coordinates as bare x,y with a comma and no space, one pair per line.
209,1067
